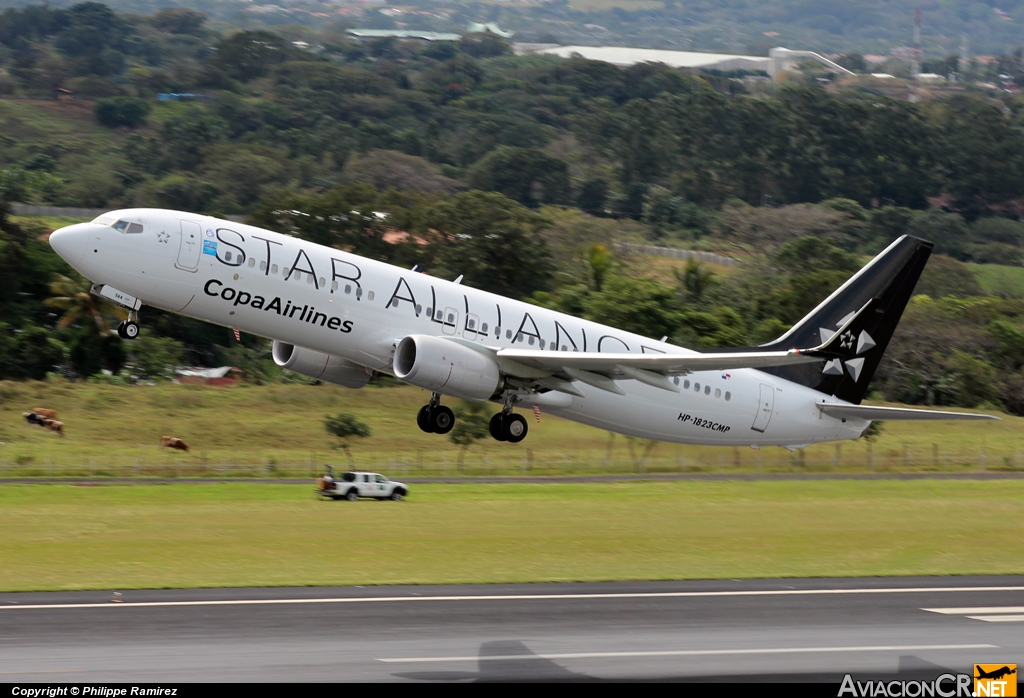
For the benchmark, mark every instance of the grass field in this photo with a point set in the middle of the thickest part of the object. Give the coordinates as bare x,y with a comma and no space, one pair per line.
997,278
278,429
118,537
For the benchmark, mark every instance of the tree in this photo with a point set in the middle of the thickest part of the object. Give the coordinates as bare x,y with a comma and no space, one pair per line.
73,295
695,280
121,111
524,174
346,427
471,425
494,242
251,54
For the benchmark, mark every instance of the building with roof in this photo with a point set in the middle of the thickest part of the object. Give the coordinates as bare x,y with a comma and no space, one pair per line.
403,34
778,60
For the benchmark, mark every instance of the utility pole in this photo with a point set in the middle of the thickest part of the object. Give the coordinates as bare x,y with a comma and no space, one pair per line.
964,63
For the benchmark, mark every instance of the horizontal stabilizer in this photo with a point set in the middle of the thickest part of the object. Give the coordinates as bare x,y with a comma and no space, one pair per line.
841,411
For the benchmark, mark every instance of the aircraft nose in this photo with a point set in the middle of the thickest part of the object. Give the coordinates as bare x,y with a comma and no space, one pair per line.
70,242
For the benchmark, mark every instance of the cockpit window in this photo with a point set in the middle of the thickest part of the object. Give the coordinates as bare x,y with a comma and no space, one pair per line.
126,227
104,220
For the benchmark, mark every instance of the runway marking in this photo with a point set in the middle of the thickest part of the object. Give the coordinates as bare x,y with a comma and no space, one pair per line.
686,653
510,597
986,610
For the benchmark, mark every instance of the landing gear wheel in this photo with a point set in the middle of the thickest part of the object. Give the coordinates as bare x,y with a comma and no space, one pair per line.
442,419
128,330
514,428
423,419
496,427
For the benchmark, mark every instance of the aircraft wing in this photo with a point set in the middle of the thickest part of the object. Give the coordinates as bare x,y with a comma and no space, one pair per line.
669,364
872,412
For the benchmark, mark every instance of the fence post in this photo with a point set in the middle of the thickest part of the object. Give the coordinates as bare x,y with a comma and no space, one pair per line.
935,456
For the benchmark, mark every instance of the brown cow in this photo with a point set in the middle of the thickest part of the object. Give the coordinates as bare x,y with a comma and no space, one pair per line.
45,413
54,425
173,442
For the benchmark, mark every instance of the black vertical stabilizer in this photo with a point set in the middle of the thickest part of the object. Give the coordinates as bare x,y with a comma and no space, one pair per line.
889,281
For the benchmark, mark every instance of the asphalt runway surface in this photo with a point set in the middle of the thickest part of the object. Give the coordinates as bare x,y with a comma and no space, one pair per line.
731,630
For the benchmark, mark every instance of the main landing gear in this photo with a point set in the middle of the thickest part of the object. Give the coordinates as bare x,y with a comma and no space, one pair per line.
508,426
129,329
435,418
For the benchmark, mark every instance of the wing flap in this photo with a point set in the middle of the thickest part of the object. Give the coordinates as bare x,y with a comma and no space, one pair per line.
891,413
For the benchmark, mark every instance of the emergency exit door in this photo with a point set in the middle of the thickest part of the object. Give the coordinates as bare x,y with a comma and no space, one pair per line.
764,408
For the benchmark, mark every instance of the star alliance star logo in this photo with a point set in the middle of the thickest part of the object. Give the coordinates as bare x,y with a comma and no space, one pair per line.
847,340
163,237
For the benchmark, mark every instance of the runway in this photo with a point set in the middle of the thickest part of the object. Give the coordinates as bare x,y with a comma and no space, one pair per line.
749,630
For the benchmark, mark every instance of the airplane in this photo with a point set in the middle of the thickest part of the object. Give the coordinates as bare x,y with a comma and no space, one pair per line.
995,673
342,318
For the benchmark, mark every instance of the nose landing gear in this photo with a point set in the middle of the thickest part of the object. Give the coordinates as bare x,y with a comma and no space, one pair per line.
435,418
129,329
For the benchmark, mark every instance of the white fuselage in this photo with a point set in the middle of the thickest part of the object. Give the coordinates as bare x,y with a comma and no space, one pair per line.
324,299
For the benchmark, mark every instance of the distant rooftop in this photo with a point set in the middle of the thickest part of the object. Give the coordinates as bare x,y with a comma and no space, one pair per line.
777,61
403,34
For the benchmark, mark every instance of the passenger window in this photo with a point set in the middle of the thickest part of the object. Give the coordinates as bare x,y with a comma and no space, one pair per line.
531,339
273,269
471,324
508,334
334,286
263,266
564,348
451,318
348,288
252,262
419,308
686,385
322,281
440,313
676,380
707,389
718,392
287,273
310,278
359,292
483,328
696,387
497,333
227,256
366,478
728,396
369,296
542,344
430,312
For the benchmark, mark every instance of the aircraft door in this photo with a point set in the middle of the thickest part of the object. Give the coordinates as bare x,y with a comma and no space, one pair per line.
191,246
450,321
764,408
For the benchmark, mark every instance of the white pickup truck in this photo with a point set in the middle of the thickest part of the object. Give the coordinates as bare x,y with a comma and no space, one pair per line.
355,484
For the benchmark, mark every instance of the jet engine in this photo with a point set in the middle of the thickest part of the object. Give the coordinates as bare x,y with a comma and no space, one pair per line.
442,366
325,367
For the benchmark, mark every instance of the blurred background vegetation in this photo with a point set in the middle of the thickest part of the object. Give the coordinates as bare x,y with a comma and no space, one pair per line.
535,177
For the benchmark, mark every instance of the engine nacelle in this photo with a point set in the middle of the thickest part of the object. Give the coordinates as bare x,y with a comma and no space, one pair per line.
442,366
325,367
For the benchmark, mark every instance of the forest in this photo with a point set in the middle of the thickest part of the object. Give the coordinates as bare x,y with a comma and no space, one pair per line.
524,173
